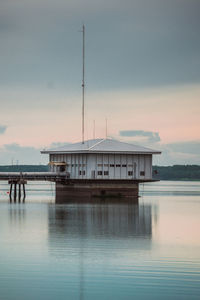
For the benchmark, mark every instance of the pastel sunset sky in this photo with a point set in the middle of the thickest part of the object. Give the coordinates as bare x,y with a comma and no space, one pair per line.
142,74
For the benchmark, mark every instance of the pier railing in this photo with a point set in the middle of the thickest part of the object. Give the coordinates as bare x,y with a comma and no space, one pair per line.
40,176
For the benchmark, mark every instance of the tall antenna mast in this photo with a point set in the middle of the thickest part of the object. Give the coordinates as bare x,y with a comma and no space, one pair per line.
83,85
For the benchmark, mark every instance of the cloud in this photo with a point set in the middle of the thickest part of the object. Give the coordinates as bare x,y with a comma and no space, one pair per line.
152,137
57,145
16,154
138,44
2,129
185,152
170,157
191,147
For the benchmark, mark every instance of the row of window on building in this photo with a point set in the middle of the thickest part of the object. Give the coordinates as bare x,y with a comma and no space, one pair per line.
117,165
101,165
106,173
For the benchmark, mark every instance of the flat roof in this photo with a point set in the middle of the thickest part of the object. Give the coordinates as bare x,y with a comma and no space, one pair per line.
101,146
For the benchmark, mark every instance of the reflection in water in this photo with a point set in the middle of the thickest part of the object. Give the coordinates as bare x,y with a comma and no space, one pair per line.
95,221
149,250
17,215
88,229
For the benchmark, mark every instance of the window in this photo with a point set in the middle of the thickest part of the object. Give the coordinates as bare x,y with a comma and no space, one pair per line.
142,173
100,165
124,166
105,165
130,166
112,166
99,172
118,166
106,173
72,165
130,173
81,172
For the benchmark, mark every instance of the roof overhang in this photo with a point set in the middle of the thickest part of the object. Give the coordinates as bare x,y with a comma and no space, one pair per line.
101,146
98,152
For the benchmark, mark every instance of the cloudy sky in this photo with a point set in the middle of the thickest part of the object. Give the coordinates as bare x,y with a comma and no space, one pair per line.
142,74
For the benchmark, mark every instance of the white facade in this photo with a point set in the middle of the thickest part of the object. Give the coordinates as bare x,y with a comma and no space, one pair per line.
105,159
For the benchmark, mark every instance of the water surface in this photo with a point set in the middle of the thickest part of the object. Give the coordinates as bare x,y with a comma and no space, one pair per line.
149,250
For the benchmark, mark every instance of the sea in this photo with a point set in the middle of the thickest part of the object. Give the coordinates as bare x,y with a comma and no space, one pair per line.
97,251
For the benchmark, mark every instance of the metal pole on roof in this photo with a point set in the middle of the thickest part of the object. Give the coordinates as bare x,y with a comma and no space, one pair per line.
83,85
106,128
93,129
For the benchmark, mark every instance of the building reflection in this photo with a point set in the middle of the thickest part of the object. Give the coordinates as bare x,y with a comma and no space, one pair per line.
106,228
100,220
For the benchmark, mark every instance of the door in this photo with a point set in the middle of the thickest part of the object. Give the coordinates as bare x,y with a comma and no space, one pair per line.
93,174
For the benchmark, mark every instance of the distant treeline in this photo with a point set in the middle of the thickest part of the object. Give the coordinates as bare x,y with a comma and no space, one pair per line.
176,172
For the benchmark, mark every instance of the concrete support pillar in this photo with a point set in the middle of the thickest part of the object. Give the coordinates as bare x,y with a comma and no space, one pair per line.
24,192
15,192
10,195
19,193
86,190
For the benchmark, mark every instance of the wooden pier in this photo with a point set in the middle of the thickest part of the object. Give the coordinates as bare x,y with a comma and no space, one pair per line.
18,180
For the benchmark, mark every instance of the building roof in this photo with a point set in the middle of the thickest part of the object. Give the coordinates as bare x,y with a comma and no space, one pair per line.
101,146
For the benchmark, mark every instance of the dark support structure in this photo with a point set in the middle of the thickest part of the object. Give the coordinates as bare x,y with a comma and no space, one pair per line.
17,192
10,195
24,192
86,190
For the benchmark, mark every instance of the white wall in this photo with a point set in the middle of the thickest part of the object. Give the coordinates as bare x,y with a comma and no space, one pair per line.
105,166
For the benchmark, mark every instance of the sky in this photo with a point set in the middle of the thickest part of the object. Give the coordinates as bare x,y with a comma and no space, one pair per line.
142,74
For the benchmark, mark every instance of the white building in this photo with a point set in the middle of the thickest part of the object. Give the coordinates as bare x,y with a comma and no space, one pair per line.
103,159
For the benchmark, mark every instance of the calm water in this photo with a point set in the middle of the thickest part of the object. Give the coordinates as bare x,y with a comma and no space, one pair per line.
108,251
